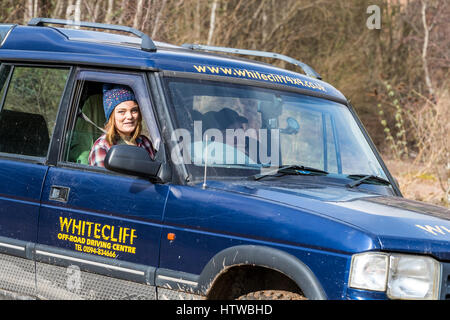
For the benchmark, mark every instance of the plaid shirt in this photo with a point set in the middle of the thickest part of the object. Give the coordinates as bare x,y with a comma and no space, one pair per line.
101,148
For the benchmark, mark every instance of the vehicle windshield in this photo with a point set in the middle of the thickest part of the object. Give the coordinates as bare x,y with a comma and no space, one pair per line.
240,130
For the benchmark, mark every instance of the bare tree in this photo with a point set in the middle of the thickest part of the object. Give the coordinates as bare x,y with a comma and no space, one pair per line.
31,10
158,18
138,14
212,21
123,11
197,20
58,10
109,12
69,10
427,28
77,11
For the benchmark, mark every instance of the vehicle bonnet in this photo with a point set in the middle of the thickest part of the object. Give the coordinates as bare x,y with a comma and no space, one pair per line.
401,225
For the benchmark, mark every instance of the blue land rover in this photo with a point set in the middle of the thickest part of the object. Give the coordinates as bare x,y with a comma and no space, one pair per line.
263,184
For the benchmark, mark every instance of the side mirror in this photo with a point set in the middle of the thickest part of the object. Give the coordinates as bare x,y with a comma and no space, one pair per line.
131,160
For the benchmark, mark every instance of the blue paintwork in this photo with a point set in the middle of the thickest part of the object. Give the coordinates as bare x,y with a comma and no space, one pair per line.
310,223
394,227
20,194
117,201
355,294
322,224
207,221
20,45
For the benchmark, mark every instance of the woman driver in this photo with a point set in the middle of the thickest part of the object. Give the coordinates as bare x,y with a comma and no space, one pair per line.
123,124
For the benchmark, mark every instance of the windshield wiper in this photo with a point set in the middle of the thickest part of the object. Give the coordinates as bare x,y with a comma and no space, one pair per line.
291,170
363,178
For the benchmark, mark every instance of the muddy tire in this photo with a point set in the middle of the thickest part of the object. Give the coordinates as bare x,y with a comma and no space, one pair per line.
272,295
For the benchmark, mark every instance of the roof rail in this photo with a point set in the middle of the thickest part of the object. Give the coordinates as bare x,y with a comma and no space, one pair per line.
5,29
306,69
146,44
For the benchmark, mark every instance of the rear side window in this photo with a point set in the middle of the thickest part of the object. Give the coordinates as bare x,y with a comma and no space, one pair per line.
30,97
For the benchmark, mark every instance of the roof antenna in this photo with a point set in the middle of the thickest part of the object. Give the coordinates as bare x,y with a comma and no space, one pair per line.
206,162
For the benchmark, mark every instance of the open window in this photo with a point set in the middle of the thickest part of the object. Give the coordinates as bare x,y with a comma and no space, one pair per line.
87,121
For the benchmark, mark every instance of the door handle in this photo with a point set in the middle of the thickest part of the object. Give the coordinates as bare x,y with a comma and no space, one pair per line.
58,193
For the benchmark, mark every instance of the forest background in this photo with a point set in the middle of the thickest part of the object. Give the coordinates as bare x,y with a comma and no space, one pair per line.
389,57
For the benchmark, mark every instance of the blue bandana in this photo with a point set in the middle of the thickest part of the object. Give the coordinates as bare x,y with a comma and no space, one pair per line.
112,96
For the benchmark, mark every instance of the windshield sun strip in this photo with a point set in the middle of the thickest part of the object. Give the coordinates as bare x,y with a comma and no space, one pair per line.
253,83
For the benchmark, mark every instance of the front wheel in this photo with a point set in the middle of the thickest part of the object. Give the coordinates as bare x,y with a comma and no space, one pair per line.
272,295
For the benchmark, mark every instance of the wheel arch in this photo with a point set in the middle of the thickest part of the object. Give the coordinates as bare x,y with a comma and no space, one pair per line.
261,256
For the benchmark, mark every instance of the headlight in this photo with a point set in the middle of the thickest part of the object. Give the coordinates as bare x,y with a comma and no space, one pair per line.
401,276
369,271
413,277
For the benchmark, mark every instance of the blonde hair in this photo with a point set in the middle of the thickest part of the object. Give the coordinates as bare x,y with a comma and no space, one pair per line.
112,135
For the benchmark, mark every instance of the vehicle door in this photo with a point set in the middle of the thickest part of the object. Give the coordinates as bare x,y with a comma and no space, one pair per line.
30,96
99,231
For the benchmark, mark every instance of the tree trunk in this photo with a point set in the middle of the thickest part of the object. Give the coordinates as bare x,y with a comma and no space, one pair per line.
158,18
212,22
77,11
425,48
110,12
69,10
138,15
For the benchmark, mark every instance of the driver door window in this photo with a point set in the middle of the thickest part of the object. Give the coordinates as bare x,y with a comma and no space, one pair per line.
89,123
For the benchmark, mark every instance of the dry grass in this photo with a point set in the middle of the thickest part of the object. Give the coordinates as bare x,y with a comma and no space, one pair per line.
417,184
423,172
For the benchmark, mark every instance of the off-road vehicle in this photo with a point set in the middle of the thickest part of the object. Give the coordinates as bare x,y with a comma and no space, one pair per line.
264,184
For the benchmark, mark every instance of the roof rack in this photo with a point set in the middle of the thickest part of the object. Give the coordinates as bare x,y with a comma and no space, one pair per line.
306,69
5,29
146,44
